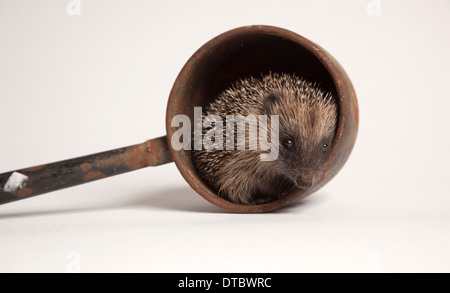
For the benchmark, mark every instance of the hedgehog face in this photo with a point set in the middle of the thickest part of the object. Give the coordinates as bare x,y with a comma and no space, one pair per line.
307,128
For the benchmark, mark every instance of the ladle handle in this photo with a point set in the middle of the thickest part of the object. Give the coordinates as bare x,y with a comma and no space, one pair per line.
26,183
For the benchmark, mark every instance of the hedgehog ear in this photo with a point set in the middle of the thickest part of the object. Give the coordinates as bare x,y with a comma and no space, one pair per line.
272,100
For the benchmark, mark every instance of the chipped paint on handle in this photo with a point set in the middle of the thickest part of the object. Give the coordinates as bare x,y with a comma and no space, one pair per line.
15,182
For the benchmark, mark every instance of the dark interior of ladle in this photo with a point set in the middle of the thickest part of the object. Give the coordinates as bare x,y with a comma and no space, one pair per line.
246,55
249,51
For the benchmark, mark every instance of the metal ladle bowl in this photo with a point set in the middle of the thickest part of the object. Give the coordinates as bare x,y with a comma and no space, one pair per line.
239,53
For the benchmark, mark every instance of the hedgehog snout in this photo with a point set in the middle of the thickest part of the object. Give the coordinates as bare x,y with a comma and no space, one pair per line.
304,181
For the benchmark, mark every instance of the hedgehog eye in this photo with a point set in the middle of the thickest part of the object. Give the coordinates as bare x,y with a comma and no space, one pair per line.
289,143
325,147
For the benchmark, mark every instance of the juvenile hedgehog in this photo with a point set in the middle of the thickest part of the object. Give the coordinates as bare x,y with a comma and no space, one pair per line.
307,125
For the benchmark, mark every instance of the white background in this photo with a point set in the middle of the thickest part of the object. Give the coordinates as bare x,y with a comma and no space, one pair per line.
76,85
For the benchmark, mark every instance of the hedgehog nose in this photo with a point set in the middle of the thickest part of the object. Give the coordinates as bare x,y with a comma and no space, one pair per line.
304,182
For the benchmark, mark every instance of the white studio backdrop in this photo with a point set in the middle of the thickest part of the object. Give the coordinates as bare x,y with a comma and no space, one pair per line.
80,77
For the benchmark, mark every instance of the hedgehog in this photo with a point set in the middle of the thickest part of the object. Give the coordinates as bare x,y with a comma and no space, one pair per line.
307,118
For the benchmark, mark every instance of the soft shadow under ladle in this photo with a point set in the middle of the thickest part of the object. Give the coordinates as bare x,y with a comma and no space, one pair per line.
245,51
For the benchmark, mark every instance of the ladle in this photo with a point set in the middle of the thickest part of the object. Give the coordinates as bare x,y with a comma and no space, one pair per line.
241,52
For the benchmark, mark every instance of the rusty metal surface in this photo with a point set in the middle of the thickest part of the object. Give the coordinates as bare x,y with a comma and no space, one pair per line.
52,177
253,50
